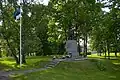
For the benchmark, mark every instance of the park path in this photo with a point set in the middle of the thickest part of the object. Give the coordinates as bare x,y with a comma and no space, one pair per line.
4,75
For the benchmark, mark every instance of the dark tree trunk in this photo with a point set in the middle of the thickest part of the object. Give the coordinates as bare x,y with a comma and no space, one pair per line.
13,52
115,53
23,31
79,49
108,48
105,52
23,59
85,46
100,52
30,54
108,54
66,37
16,58
23,47
0,53
7,54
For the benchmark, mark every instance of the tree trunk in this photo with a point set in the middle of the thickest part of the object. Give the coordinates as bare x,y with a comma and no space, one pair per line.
23,59
12,51
105,52
100,52
85,46
0,53
115,53
7,54
108,48
79,50
23,31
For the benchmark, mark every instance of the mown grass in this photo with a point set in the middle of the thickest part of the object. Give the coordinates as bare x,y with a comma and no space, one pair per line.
32,62
112,55
113,59
91,69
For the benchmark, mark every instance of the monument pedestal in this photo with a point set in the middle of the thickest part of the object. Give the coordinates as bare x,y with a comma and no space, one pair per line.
72,48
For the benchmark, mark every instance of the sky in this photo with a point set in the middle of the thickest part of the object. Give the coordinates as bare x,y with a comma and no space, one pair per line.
44,2
107,3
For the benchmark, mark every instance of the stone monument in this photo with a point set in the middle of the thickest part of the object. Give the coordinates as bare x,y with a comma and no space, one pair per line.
71,48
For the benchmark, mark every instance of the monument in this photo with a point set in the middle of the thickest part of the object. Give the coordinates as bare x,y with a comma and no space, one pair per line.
71,44
71,48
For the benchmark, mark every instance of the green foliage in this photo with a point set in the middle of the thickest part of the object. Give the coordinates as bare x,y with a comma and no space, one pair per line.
105,34
48,27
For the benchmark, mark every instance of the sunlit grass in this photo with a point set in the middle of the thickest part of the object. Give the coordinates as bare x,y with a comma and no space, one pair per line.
32,62
95,56
113,59
82,70
112,55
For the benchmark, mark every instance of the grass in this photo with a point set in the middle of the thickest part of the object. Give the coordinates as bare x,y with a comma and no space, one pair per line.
112,55
95,68
91,69
32,62
113,59
83,70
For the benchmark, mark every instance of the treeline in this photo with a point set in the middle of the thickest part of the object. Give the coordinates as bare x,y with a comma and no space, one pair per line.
46,28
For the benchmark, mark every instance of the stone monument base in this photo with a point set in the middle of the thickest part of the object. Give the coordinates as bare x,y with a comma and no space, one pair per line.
71,48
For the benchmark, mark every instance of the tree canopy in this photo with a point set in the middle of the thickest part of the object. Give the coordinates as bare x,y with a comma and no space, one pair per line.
45,28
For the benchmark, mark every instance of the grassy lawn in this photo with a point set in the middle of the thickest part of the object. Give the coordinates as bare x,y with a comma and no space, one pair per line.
91,69
32,62
112,55
113,59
